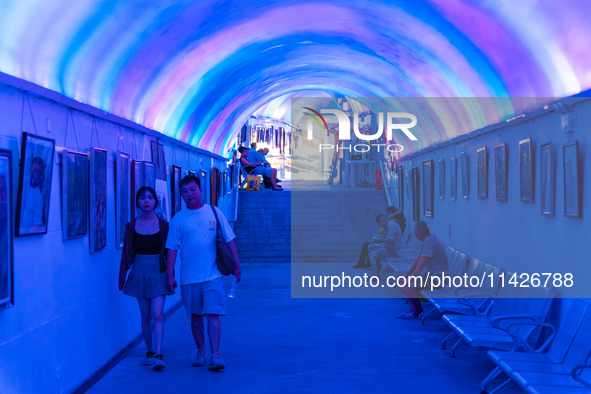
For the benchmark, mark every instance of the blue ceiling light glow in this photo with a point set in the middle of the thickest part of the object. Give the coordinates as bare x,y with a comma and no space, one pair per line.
196,71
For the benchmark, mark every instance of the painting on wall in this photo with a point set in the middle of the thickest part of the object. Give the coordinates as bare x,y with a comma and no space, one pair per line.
547,180
122,192
401,187
149,174
136,180
98,200
163,209
442,179
36,167
428,183
416,193
6,239
501,171
175,192
453,178
204,187
465,162
526,170
572,187
482,162
74,194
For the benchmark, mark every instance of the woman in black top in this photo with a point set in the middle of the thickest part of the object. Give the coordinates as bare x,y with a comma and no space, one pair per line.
143,252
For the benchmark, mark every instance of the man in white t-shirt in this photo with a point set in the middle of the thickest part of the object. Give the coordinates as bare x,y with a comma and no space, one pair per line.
193,232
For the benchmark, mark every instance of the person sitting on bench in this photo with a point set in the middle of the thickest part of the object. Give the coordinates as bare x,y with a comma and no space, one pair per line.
254,166
432,259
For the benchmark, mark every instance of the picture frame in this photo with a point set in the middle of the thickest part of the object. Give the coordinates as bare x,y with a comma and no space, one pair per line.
149,174
453,178
175,191
442,179
482,173
122,192
428,186
401,187
163,209
465,163
34,190
6,232
526,171
416,193
74,194
225,183
136,181
501,172
98,200
547,180
205,197
407,184
572,180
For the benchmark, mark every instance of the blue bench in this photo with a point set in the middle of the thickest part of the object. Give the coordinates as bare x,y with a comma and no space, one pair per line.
463,301
563,368
498,328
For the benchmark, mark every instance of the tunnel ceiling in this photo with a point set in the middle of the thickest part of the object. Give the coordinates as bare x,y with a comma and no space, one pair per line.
196,70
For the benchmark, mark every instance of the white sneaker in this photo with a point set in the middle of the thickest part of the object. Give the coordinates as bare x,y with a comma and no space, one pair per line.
159,364
199,360
149,360
215,363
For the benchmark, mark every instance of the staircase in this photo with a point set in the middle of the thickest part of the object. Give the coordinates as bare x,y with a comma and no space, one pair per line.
306,226
331,226
263,228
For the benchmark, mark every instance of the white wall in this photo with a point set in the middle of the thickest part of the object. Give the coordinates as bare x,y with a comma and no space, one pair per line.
68,317
513,234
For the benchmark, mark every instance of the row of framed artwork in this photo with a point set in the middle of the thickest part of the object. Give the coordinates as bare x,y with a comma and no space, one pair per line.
571,178
84,195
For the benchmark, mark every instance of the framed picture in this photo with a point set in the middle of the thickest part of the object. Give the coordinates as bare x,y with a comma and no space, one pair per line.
442,179
225,183
401,187
407,183
547,180
98,200
122,192
428,183
6,239
465,160
163,209
157,154
526,170
501,172
482,162
453,178
149,174
416,192
74,194
204,187
175,191
36,167
572,187
136,180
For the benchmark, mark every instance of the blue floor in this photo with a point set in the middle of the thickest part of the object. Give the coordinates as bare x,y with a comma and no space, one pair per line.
272,343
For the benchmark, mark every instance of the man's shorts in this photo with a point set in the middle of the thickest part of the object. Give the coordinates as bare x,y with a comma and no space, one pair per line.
260,170
205,298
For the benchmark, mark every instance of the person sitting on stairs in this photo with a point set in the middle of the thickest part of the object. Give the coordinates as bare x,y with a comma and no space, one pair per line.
252,165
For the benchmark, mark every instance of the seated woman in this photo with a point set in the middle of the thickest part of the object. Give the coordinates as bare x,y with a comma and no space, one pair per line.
251,164
386,246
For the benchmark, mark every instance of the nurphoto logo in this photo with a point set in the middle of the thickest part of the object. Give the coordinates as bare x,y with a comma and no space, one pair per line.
344,133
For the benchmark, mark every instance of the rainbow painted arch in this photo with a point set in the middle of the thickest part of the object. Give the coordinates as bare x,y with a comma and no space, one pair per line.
197,70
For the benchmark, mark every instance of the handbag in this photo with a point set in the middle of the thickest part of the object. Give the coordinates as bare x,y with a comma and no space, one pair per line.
224,258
